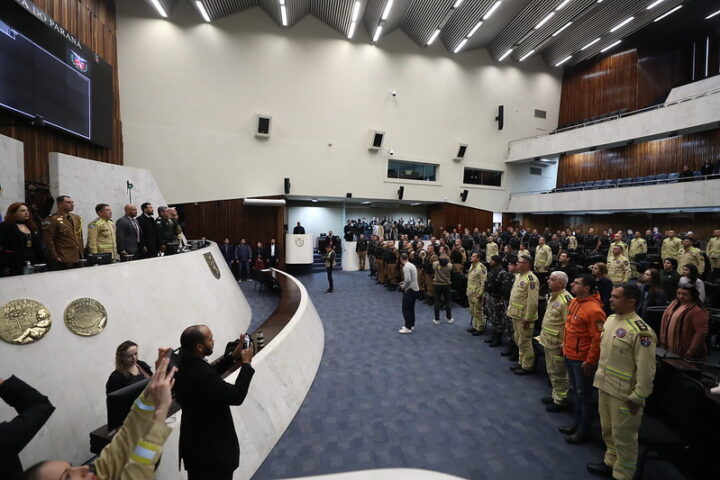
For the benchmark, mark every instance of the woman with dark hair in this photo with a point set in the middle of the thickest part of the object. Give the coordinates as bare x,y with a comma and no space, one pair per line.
669,278
19,240
128,369
651,292
685,325
691,276
604,285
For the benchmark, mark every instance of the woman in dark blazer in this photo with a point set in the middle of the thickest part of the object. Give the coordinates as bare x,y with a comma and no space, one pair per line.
20,240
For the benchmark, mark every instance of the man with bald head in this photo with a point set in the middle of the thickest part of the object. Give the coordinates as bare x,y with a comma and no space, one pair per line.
209,446
128,233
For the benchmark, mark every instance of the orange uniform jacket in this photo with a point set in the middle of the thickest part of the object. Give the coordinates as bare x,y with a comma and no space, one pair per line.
583,327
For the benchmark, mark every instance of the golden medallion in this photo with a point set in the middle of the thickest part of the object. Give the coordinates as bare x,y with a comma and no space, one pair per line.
214,269
24,321
85,317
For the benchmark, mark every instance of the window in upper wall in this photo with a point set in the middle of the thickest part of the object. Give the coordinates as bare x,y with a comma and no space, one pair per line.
401,170
477,176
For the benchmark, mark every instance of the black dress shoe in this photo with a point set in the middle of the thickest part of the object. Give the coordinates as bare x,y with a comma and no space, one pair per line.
600,469
471,329
576,439
547,400
556,407
515,367
522,371
568,429
477,333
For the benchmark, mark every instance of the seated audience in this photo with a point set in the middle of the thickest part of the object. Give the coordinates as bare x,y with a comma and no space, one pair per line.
669,278
604,285
686,174
33,409
685,325
19,240
136,448
690,275
707,168
651,292
128,369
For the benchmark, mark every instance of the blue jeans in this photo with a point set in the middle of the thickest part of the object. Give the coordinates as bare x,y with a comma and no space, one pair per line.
584,411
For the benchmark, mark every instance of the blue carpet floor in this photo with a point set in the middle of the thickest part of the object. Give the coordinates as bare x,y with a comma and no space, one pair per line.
439,399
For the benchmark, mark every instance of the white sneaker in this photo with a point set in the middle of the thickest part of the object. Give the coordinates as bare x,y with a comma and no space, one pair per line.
412,328
436,322
450,320
405,330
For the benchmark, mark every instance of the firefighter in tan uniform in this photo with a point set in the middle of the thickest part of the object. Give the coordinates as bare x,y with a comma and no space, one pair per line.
428,273
418,257
63,234
522,310
617,241
491,249
713,251
543,256
618,266
101,232
380,262
690,254
572,243
458,256
392,257
637,245
624,378
551,338
477,275
671,246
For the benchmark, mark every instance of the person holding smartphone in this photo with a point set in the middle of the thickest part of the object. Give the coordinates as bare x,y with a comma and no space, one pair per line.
209,446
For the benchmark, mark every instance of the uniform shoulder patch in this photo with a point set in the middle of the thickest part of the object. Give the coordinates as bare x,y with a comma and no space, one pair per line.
530,277
641,325
532,285
599,325
92,225
645,341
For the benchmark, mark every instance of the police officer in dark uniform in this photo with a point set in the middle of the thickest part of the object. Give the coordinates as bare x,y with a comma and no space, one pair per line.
362,249
63,235
167,231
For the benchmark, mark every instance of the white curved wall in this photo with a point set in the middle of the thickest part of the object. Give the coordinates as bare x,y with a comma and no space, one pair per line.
189,92
148,301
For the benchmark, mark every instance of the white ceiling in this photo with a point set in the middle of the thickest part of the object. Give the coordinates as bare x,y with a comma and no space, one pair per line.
511,26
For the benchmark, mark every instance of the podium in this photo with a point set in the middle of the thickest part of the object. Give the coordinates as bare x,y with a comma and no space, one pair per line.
299,249
350,259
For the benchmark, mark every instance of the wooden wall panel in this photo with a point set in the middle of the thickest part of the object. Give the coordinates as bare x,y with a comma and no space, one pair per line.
641,159
702,224
448,215
218,219
93,22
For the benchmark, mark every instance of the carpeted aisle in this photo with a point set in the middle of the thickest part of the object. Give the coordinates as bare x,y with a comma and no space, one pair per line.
437,399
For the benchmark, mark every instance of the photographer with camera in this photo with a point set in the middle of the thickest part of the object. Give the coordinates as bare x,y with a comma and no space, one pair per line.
209,446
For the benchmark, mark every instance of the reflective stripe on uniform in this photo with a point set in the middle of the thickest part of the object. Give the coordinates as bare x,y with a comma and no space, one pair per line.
550,330
518,305
147,407
618,373
144,453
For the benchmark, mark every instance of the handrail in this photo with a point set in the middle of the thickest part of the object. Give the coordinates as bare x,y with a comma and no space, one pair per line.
567,189
618,116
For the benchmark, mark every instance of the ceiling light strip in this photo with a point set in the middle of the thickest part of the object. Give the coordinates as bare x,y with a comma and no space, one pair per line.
654,4
610,46
562,5
378,31
386,10
668,13
712,15
354,19
545,20
433,37
590,44
504,55
622,24
203,12
460,46
561,29
161,10
563,60
492,10
527,55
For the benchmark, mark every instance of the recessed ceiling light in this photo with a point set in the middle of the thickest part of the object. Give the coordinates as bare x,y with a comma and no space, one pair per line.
712,15
668,13
386,12
526,55
283,14
475,29
415,204
203,12
654,4
622,24
545,20
610,46
314,200
492,10
460,46
366,202
561,29
159,8
433,37
504,55
563,60
590,44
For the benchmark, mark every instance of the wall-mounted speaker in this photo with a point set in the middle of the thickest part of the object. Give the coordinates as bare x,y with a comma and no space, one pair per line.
463,195
262,128
460,152
401,191
500,117
348,195
376,140
287,186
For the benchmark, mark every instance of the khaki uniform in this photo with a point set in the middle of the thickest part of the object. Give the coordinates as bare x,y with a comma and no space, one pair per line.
637,245
101,237
523,307
713,252
421,254
618,243
428,274
543,258
551,338
392,256
618,269
572,243
626,371
671,248
458,254
64,238
491,249
524,251
477,275
380,263
693,256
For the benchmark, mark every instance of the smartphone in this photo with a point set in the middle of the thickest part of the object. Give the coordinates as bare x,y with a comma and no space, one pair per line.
247,341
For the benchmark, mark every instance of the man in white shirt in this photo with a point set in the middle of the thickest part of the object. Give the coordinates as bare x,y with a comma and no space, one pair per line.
411,290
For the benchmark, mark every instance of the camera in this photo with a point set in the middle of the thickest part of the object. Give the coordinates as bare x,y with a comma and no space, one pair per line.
393,93
391,151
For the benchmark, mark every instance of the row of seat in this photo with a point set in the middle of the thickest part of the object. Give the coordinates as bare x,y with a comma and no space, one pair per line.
623,182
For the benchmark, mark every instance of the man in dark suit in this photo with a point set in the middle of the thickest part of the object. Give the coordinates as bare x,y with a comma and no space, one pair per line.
209,446
128,233
33,409
272,254
299,229
227,251
148,234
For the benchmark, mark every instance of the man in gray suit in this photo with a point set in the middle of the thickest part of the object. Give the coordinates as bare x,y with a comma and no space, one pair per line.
128,232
